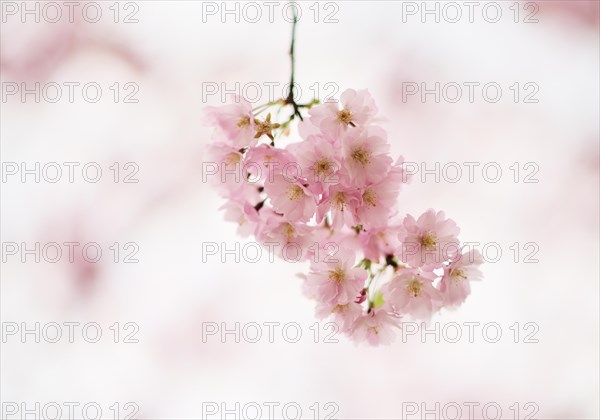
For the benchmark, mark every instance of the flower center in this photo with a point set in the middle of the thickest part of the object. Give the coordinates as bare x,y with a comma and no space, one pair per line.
370,197
243,122
339,200
428,241
342,309
338,275
457,274
344,116
323,166
289,231
231,159
295,192
374,329
361,155
414,287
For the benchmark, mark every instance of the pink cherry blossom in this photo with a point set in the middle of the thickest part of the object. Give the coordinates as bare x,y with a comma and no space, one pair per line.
379,199
344,315
412,292
334,280
455,285
376,328
234,212
263,162
291,198
378,242
291,241
234,123
342,204
366,156
225,164
429,241
357,110
327,242
319,160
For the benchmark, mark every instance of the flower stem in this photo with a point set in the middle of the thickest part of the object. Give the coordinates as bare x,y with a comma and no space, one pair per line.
290,99
262,107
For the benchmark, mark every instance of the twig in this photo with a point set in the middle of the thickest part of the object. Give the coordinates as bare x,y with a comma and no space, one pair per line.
290,99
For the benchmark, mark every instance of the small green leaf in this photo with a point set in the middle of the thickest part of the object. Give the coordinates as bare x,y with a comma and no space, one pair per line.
378,300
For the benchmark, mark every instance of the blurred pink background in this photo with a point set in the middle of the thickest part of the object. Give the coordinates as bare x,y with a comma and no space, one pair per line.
172,54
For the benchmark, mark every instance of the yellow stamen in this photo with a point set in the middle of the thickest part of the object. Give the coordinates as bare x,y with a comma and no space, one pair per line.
370,197
457,274
338,275
289,231
374,329
323,166
232,159
344,116
428,241
339,200
243,122
414,287
295,192
342,309
361,155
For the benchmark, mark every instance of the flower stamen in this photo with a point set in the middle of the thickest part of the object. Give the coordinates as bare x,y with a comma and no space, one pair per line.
338,275
457,274
243,122
414,287
345,117
339,200
361,155
428,241
295,192
370,197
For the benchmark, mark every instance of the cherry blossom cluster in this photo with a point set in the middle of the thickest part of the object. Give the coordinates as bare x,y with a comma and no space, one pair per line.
331,199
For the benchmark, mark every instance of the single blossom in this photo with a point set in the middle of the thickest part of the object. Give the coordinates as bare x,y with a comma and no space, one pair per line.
412,292
428,241
334,280
234,123
357,110
261,163
341,203
291,241
319,161
234,212
377,243
379,199
291,197
376,327
366,157
344,316
455,285
223,168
